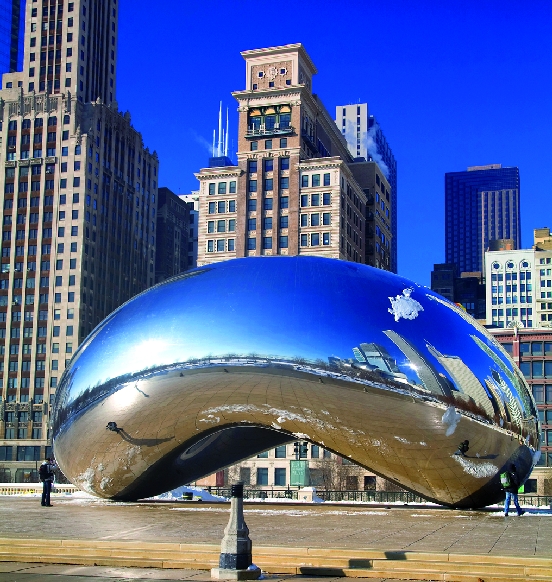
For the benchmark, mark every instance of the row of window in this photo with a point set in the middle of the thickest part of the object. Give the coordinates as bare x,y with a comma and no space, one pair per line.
302,452
512,299
222,187
29,298
221,245
222,206
513,311
15,332
221,225
25,366
313,180
268,184
502,323
40,349
47,201
268,144
510,265
536,369
268,203
267,164
513,288
22,434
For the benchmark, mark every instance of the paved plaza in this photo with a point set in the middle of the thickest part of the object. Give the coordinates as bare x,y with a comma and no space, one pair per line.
406,528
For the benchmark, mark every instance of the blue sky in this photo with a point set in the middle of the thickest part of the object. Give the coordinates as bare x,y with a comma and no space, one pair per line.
453,84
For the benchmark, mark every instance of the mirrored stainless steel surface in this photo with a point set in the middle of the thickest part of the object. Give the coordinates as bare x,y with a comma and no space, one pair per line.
231,359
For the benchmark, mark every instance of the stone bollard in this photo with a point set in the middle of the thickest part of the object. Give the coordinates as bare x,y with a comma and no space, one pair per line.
235,562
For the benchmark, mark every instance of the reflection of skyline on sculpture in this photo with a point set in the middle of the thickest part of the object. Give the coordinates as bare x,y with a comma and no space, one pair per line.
295,319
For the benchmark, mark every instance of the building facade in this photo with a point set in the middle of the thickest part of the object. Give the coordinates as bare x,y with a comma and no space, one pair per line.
531,349
481,204
79,198
192,201
366,139
12,31
171,253
294,190
465,289
519,288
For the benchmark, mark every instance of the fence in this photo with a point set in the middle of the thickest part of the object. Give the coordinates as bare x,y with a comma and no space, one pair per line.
32,488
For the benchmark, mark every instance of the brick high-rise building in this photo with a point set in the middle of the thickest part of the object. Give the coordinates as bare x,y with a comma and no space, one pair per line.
296,189
79,197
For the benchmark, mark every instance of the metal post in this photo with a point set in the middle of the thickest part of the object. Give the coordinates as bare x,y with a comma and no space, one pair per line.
235,562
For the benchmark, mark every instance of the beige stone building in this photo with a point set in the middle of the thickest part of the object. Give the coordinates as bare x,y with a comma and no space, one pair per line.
78,193
296,188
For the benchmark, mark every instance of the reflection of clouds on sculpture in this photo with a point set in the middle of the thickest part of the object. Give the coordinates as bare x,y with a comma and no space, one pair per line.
450,419
343,370
404,306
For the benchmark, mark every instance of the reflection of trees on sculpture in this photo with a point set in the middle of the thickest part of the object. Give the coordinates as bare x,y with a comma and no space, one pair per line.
335,473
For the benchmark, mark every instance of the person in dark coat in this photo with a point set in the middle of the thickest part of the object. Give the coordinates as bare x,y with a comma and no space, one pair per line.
46,473
463,448
512,491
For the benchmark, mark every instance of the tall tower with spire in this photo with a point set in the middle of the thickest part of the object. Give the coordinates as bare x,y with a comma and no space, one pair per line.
78,191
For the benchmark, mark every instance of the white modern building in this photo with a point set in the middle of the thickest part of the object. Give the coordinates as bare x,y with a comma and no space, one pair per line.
519,288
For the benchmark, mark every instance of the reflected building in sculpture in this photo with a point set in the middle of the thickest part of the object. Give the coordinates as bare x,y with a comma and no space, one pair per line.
195,386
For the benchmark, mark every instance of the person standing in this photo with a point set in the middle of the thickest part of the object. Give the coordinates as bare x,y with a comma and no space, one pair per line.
510,482
46,473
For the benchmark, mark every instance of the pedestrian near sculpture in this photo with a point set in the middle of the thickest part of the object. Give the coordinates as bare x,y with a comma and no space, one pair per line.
46,474
463,448
510,483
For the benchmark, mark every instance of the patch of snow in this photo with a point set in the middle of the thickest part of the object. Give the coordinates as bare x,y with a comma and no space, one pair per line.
450,419
478,470
403,440
197,492
404,306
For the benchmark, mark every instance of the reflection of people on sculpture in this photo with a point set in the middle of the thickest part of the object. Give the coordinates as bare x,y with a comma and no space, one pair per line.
463,448
113,426
46,474
510,483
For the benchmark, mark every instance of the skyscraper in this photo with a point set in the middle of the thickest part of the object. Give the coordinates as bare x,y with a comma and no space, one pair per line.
79,198
11,35
366,139
296,188
481,204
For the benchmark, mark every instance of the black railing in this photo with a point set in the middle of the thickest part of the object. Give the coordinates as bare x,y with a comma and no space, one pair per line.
363,496
265,131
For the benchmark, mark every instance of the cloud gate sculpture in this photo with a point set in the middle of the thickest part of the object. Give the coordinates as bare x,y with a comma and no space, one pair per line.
229,360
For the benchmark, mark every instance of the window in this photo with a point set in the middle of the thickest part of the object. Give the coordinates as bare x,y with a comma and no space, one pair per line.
326,218
254,146
263,455
315,199
280,452
304,181
252,166
221,207
315,180
252,205
222,188
315,219
284,163
269,165
283,142
251,244
326,179
284,202
211,188
268,184
304,200
304,219
326,238
267,223
283,242
304,240
326,199
268,144
267,204
252,224
262,475
284,182
231,206
280,477
252,186
212,207
284,221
